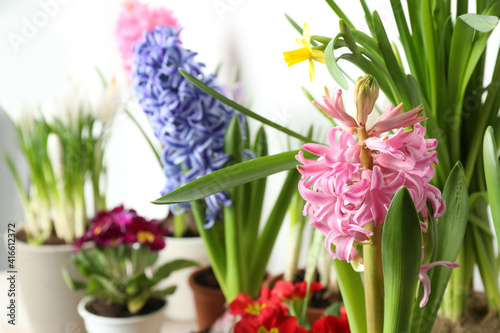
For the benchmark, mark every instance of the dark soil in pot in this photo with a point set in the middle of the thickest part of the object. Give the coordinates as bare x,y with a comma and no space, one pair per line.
477,320
52,240
207,278
103,308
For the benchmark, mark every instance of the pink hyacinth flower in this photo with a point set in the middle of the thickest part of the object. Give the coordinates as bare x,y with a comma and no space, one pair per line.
342,197
391,118
354,178
131,24
426,283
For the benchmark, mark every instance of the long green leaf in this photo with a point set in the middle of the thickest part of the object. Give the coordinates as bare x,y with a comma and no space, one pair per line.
492,175
406,39
353,295
399,78
401,253
258,188
230,177
233,217
312,259
272,227
450,233
339,12
240,108
166,269
333,68
483,23
213,243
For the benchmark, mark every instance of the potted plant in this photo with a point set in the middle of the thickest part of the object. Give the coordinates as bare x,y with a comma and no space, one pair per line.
121,281
457,82
199,135
134,21
63,153
382,253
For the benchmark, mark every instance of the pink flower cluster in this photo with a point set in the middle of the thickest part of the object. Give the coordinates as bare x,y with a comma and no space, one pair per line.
133,21
120,226
343,197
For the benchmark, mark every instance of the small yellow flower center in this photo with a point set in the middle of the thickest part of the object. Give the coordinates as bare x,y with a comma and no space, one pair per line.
145,236
97,230
254,308
264,330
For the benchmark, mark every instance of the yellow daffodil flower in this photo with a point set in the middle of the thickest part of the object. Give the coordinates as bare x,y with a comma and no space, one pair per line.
305,52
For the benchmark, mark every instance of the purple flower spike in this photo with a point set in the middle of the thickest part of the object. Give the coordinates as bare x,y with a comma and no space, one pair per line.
189,123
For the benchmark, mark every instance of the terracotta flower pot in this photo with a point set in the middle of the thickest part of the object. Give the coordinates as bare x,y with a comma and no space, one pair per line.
209,300
182,306
49,303
149,323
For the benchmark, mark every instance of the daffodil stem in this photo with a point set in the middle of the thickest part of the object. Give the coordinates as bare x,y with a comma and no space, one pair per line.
374,281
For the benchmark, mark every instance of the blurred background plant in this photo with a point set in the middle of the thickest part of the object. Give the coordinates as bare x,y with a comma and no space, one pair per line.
64,152
119,268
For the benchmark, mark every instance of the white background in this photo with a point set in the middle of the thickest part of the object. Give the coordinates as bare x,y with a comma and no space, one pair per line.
248,34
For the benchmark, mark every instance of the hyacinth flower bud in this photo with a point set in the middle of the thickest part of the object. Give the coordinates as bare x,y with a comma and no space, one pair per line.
365,94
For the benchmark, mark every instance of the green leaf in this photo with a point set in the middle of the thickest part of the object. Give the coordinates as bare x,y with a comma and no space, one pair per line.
239,107
72,283
450,233
230,177
348,37
256,200
339,12
137,283
164,292
333,309
483,23
271,229
401,253
392,65
333,68
135,304
233,218
430,240
492,175
406,38
100,284
214,243
353,295
168,268
312,259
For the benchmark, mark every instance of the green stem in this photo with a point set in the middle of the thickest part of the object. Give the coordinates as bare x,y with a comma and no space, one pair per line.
232,232
179,225
213,244
374,281
297,223
145,137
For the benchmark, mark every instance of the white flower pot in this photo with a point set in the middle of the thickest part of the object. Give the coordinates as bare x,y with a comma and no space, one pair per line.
181,303
49,303
150,323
